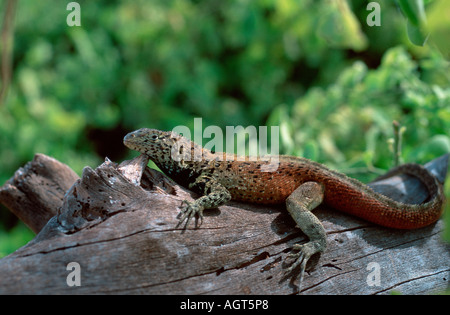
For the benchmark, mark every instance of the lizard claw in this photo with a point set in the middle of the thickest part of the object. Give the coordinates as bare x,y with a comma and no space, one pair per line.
191,210
301,257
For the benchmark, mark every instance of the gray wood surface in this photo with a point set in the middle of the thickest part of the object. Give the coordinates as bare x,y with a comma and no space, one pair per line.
124,238
36,191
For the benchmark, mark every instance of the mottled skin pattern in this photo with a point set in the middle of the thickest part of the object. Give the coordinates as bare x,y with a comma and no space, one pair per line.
300,183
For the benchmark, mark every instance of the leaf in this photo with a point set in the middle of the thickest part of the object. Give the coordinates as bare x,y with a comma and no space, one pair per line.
340,28
414,11
416,34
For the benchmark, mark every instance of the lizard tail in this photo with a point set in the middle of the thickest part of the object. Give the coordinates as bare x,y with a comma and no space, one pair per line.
365,203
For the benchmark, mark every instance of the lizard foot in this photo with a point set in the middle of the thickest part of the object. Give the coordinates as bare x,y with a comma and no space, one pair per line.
191,210
301,257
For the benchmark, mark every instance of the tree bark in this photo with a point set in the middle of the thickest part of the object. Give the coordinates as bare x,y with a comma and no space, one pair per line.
118,224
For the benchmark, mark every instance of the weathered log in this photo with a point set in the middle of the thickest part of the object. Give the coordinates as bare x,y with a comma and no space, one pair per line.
36,191
124,239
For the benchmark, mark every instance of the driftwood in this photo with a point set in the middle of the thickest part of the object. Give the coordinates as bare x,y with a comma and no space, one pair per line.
123,237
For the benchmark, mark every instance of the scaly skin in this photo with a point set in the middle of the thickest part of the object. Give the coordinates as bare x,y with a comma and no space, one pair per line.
301,183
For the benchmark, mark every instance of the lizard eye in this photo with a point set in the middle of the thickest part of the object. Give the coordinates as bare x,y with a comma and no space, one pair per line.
154,137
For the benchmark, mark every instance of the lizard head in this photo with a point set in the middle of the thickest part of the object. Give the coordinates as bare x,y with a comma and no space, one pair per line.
149,141
160,146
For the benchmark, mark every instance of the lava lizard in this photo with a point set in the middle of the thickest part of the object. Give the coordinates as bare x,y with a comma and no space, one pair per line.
300,183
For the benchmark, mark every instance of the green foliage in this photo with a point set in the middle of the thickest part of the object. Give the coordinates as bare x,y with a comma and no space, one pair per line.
446,235
15,238
161,63
438,27
350,122
313,67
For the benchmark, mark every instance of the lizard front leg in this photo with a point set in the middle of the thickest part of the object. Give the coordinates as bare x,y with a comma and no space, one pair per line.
300,204
214,195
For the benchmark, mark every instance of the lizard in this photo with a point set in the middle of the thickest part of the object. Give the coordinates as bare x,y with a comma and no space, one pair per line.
300,183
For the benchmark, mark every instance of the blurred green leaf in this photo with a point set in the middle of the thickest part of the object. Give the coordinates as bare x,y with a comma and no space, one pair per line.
414,11
416,26
339,26
439,26
446,234
417,35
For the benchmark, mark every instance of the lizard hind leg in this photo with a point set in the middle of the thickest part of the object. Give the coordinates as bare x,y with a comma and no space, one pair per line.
299,205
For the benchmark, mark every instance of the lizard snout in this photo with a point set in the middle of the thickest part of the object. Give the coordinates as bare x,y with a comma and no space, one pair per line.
128,139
